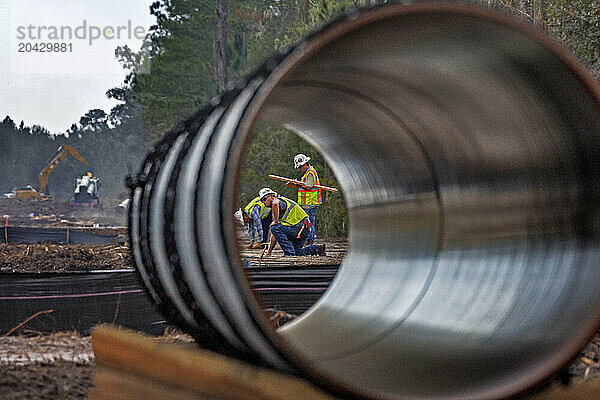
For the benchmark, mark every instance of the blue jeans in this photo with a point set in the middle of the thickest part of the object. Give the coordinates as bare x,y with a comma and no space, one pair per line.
312,216
251,231
291,245
265,223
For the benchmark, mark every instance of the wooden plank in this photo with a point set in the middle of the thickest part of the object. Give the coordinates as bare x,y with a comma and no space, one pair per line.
579,390
296,182
195,370
112,384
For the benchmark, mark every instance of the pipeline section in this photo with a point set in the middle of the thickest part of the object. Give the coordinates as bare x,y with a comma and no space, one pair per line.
21,234
467,147
81,300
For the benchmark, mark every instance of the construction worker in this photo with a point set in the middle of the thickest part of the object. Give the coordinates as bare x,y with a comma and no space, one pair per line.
258,217
290,225
309,197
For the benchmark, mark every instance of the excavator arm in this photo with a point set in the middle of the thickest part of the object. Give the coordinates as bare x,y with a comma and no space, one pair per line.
61,153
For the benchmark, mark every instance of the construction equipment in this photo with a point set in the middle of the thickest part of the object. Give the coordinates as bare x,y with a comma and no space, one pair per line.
295,182
27,192
86,191
60,154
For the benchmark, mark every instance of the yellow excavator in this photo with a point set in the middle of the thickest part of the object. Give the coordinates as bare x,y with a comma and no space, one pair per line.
62,152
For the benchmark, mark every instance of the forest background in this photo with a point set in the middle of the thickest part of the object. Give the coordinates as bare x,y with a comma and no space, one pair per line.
194,51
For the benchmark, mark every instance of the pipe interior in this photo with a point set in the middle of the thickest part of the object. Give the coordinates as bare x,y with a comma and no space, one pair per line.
466,153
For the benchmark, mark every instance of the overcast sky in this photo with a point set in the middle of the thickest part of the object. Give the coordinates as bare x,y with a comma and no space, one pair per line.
55,89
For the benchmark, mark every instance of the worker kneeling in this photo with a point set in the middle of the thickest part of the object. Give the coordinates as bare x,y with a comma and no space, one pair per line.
290,226
258,217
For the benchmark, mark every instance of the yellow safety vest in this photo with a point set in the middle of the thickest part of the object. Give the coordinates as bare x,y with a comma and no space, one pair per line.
310,197
293,213
264,210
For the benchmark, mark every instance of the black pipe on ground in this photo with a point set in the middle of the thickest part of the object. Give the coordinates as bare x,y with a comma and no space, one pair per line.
21,234
82,300
467,147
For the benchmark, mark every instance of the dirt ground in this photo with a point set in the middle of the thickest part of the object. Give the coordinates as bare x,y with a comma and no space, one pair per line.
46,257
335,250
63,258
587,364
57,366
52,367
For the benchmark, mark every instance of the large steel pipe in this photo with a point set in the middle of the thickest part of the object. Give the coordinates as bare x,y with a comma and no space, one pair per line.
467,147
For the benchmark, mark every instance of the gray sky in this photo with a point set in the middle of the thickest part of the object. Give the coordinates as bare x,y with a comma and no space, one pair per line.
55,89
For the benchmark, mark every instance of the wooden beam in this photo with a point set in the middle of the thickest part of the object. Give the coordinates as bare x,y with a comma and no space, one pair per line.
184,371
110,384
296,182
578,390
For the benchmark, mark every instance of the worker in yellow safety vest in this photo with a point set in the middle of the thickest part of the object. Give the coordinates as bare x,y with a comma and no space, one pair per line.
309,197
258,217
290,225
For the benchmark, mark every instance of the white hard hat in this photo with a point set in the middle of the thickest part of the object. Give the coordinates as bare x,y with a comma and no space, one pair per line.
238,215
265,192
300,160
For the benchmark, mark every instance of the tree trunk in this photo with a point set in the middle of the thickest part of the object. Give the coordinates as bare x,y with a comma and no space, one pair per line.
244,50
219,45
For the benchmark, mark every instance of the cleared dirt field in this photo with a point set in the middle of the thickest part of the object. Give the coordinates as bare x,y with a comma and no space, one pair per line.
63,258
46,257
56,366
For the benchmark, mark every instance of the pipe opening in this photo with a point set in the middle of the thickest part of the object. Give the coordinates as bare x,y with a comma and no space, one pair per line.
288,282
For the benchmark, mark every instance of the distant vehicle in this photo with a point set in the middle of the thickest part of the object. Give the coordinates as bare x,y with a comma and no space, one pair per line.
27,192
62,152
86,191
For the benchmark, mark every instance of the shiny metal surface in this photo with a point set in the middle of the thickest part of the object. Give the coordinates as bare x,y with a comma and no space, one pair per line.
467,149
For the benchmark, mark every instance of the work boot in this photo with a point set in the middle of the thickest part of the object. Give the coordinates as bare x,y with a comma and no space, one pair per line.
321,249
